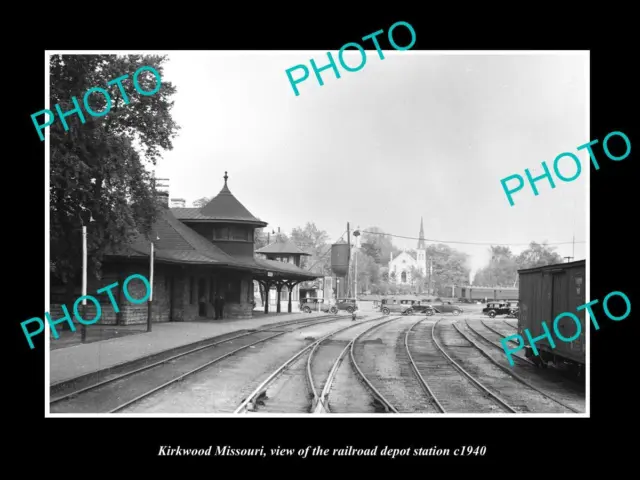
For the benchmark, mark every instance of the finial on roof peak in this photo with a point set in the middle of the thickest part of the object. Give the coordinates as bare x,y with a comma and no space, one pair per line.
225,178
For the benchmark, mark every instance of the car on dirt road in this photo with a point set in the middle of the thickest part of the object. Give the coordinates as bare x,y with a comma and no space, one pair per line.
388,306
447,307
496,308
350,305
422,307
312,304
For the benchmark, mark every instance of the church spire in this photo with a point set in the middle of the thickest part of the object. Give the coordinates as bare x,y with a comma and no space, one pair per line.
421,243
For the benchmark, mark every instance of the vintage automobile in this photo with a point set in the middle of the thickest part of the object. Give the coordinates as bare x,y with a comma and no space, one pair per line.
422,307
387,307
447,307
312,304
514,309
348,304
496,308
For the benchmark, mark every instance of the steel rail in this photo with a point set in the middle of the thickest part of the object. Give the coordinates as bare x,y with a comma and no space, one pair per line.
495,344
385,403
75,393
498,333
512,326
548,365
255,394
191,372
509,371
502,402
320,405
423,382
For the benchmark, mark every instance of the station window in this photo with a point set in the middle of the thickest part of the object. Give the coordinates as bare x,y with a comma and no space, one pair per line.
191,289
239,233
221,233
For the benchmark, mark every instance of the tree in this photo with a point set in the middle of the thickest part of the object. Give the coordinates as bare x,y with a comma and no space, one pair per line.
538,255
259,238
98,167
368,271
316,242
201,202
417,279
502,270
378,245
449,267
371,250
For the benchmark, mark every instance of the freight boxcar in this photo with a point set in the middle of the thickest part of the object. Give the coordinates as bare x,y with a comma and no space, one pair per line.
546,292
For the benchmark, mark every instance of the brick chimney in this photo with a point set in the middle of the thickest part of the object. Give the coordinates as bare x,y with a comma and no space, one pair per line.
163,198
162,191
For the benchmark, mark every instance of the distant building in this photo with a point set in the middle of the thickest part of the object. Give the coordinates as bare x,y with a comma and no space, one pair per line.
178,203
400,266
284,251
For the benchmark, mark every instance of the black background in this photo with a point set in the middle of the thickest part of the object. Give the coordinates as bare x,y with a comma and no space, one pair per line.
516,446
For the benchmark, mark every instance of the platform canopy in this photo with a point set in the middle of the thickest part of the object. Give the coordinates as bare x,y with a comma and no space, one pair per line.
282,247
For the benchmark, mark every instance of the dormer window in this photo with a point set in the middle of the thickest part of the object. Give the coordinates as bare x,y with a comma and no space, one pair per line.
221,233
239,233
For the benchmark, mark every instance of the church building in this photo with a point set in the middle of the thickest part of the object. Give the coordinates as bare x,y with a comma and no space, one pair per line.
400,266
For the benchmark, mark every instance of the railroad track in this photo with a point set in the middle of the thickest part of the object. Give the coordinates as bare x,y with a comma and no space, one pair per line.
505,384
519,356
449,384
510,324
487,393
528,367
403,387
300,372
120,391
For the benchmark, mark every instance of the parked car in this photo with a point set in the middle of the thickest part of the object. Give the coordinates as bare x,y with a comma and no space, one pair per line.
514,309
447,307
496,308
422,307
348,304
312,304
387,307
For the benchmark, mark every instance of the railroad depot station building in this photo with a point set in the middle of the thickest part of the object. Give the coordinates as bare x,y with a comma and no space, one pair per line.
200,253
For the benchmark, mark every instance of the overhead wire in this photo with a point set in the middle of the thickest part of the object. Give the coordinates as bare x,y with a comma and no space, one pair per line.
465,243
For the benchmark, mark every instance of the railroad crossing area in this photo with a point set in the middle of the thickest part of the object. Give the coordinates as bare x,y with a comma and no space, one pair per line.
318,363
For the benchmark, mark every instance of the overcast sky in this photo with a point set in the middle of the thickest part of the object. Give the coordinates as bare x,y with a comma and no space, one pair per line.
412,135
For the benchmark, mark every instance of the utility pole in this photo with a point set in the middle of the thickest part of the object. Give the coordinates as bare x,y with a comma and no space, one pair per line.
83,328
356,234
149,304
348,280
573,251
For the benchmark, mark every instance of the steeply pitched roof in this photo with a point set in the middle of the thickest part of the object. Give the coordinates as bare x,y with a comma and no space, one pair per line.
174,242
421,243
283,246
223,207
409,254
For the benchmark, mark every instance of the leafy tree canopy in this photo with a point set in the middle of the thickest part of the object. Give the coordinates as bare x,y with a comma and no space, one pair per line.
98,167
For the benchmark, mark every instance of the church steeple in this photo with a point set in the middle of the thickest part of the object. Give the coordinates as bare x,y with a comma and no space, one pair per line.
421,243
